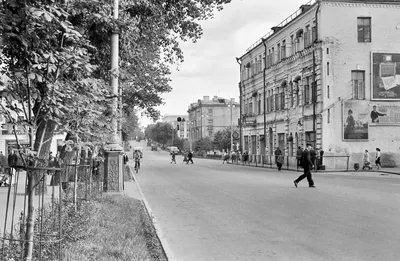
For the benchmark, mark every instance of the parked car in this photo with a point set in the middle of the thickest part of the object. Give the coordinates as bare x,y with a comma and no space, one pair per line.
154,147
171,149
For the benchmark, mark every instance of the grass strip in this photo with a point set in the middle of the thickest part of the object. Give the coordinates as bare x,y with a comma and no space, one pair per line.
119,229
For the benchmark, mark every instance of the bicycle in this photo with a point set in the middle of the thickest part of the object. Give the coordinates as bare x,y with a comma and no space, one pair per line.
137,166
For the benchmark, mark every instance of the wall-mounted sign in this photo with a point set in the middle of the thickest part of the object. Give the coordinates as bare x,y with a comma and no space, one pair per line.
355,120
385,76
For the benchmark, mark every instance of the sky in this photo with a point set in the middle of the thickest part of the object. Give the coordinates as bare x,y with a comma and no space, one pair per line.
210,67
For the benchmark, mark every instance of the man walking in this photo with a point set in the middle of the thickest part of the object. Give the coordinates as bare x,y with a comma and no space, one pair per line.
307,165
190,157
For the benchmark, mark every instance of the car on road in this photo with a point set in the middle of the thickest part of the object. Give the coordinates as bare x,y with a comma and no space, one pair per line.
154,147
171,149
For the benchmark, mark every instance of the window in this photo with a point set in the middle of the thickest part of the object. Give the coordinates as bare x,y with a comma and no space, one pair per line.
327,68
297,90
210,112
358,79
279,52
292,43
307,90
282,100
277,101
272,56
210,133
327,50
259,104
283,51
263,62
259,64
307,39
314,34
364,29
281,142
310,138
327,91
329,115
291,94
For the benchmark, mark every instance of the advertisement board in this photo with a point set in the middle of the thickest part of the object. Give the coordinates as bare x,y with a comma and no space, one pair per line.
355,120
384,114
385,82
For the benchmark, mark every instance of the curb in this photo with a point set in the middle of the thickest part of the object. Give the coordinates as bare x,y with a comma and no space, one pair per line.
164,244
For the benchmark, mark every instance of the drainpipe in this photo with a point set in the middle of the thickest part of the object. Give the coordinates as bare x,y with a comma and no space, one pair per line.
265,111
314,84
240,105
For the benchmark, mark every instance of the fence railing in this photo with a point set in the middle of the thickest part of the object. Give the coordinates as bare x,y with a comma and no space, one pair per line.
40,235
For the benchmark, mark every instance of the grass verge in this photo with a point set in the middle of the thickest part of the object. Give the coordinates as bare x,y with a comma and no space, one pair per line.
120,229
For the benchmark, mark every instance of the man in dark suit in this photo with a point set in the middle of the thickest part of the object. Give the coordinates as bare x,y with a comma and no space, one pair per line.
307,165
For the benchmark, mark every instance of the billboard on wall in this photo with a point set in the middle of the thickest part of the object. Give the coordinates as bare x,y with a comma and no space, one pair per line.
385,76
384,114
355,120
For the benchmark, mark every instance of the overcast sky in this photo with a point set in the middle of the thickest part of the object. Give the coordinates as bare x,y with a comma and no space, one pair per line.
210,67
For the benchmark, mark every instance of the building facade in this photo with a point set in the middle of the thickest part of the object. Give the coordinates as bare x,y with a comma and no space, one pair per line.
208,116
181,128
316,77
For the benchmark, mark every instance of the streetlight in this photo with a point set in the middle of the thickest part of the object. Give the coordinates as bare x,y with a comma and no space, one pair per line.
231,105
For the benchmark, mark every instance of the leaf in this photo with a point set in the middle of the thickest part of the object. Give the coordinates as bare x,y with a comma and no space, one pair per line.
47,17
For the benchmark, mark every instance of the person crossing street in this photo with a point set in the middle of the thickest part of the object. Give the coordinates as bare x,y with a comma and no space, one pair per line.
307,165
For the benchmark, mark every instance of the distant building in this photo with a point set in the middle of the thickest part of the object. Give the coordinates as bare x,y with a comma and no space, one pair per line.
207,116
316,77
181,128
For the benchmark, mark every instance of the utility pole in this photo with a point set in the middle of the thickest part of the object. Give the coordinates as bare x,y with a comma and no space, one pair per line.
113,154
231,127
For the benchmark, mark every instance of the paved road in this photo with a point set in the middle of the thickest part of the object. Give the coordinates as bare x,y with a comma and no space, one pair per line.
210,211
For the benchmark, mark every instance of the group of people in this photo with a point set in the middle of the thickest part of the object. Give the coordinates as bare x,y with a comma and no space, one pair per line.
187,157
231,155
367,160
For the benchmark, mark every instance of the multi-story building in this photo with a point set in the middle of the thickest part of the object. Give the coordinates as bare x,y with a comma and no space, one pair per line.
207,116
318,76
181,127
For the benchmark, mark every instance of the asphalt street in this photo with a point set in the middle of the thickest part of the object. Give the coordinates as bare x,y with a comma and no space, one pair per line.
213,211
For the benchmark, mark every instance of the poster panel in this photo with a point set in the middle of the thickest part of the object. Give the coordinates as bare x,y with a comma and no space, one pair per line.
355,120
385,76
384,114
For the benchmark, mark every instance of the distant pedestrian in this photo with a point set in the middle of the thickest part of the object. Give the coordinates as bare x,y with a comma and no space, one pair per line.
299,152
185,158
278,161
190,157
378,158
366,161
246,157
125,158
233,156
225,157
173,157
307,165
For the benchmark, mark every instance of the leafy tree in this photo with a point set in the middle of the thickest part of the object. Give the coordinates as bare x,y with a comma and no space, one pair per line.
222,139
160,132
204,144
130,126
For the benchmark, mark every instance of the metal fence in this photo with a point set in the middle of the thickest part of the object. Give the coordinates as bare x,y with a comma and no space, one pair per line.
36,208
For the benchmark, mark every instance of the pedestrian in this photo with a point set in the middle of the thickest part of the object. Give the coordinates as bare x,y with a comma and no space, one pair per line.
298,156
233,156
3,162
185,159
307,165
378,158
173,154
126,159
366,161
278,161
190,157
246,157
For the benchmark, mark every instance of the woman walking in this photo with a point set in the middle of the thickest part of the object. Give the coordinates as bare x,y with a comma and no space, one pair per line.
378,158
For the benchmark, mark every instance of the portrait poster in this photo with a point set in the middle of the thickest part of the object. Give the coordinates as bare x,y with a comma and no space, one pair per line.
355,120
384,114
385,76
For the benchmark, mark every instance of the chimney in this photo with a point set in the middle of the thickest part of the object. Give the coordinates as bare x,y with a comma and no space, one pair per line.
215,98
206,98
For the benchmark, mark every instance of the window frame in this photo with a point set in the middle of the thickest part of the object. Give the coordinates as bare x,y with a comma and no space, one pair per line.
363,29
358,84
